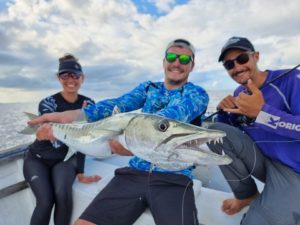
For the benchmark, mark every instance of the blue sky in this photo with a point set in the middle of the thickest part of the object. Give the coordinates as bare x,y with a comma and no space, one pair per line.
2,5
121,43
157,8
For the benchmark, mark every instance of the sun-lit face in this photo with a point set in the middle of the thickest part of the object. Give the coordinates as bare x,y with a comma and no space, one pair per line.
242,72
70,84
176,74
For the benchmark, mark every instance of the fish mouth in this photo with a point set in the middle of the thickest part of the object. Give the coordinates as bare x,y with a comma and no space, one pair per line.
190,140
192,144
195,143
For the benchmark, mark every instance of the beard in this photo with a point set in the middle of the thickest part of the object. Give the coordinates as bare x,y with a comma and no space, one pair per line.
175,82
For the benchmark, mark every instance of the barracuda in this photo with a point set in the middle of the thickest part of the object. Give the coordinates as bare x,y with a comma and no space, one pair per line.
167,143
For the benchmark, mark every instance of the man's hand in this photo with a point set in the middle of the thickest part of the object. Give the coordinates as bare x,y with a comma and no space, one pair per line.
119,149
227,103
87,179
248,105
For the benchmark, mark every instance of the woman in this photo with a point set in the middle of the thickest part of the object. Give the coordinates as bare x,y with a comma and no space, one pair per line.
49,176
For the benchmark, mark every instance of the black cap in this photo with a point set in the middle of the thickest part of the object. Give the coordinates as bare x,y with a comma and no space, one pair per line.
69,66
238,43
181,43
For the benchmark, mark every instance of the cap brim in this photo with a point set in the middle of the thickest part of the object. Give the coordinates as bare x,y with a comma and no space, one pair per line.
69,70
221,57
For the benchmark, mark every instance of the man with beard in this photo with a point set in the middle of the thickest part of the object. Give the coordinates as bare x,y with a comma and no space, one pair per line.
169,194
262,137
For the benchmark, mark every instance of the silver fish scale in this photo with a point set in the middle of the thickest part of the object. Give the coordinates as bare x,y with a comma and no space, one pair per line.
173,148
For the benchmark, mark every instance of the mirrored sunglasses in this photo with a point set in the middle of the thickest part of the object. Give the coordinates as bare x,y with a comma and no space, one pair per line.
240,59
184,59
67,75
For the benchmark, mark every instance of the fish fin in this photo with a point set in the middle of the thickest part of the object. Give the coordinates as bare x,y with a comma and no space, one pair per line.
31,116
29,130
116,110
69,154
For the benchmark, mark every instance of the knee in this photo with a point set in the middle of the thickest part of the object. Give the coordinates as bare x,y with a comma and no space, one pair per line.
83,222
63,197
45,206
219,126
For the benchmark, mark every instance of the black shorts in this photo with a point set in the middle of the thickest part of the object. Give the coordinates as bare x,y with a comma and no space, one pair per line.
170,198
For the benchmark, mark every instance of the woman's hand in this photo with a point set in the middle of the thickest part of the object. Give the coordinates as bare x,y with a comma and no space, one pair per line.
44,132
87,179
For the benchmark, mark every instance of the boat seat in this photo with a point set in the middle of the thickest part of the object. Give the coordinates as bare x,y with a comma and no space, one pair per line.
208,200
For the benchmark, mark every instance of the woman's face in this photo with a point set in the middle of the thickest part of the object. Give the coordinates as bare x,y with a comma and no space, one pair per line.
71,82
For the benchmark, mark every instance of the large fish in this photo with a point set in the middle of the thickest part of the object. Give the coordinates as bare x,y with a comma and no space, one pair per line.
167,143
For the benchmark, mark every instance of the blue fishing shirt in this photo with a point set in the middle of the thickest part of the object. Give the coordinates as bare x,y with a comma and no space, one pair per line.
276,130
182,104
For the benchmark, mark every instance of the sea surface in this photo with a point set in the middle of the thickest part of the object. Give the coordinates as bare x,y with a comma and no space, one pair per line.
12,119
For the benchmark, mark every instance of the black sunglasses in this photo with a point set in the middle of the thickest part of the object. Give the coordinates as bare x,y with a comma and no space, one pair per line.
240,59
67,75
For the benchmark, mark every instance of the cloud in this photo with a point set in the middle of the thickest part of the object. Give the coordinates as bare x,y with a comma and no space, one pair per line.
119,46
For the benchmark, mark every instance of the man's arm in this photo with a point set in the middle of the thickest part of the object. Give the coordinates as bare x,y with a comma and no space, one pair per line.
130,101
59,117
268,117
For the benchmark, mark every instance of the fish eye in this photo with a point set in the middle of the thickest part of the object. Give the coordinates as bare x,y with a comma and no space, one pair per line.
163,125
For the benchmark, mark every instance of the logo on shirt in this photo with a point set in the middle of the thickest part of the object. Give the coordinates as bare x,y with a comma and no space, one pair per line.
274,122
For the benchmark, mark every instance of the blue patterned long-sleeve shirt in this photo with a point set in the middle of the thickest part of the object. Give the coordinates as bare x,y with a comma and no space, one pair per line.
183,104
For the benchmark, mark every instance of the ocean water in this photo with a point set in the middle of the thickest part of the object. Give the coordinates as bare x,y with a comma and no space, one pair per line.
12,119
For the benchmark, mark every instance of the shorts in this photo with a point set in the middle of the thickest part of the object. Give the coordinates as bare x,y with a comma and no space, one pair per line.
170,198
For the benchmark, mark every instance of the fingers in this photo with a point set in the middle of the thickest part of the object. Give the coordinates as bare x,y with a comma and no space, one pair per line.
236,111
228,102
44,132
252,87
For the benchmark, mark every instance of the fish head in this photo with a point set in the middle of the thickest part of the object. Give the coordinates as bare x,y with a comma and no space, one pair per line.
151,135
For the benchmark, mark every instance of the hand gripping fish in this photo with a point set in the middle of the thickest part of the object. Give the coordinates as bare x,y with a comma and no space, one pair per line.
167,143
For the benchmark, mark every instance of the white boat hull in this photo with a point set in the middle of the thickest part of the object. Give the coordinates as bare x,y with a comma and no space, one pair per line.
16,207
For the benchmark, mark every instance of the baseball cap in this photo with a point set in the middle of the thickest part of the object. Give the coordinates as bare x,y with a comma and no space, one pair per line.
236,43
182,43
69,66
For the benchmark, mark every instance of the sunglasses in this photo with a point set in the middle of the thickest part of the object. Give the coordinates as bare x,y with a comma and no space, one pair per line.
183,59
240,59
66,75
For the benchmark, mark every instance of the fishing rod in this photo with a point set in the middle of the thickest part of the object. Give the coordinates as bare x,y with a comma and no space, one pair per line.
266,84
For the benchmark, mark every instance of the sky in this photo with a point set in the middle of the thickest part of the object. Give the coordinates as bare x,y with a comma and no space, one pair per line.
121,43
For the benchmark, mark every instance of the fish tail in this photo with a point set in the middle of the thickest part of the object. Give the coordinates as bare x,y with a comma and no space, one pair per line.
29,130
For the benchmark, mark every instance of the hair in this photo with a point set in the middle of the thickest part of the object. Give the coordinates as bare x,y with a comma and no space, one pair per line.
67,57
